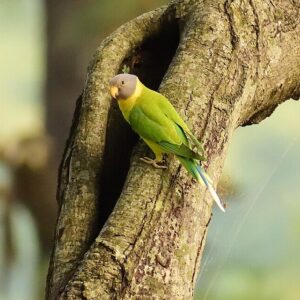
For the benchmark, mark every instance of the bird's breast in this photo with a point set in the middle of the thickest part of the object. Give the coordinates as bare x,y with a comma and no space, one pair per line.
126,106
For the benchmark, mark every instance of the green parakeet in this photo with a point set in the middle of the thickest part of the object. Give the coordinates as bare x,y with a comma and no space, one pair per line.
156,121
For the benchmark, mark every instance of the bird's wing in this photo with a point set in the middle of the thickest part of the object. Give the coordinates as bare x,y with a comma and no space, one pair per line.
149,126
180,150
171,112
152,124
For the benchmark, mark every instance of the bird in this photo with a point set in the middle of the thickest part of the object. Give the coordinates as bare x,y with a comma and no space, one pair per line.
152,116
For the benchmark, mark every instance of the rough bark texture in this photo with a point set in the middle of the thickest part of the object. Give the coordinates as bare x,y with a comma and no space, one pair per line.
223,64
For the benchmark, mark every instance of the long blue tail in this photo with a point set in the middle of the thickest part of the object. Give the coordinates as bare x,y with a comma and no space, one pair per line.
199,174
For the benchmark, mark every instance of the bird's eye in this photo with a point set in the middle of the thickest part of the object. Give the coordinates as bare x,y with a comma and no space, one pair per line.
123,82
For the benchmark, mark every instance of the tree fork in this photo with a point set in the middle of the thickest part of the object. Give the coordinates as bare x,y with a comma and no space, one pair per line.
223,64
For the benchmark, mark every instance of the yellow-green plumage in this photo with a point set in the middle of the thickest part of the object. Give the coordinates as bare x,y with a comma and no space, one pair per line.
156,121
154,118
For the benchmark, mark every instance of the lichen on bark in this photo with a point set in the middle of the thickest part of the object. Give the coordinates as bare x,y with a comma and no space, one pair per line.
223,64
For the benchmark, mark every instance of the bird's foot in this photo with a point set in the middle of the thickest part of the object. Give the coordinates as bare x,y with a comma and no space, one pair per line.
153,162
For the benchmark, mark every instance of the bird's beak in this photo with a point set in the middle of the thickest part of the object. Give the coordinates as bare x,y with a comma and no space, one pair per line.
114,91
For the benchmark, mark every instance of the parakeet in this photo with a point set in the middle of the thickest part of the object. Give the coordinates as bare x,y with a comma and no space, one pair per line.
155,120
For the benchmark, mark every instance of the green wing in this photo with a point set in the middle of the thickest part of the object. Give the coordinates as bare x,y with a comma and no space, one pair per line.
180,150
153,124
150,127
170,111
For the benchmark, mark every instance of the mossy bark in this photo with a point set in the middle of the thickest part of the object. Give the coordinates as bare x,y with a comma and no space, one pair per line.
129,231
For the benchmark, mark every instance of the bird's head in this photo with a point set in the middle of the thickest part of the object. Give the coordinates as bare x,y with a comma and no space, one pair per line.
123,86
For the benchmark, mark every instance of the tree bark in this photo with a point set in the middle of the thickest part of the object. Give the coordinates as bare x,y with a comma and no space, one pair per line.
129,231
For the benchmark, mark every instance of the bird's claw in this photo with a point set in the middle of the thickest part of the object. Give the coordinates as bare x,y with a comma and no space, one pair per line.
153,162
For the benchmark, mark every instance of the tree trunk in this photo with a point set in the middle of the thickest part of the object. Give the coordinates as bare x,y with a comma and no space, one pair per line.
129,231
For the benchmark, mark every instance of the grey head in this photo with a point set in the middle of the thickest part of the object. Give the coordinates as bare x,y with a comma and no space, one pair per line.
123,86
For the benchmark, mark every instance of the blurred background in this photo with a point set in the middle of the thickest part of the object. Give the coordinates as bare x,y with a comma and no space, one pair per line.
252,252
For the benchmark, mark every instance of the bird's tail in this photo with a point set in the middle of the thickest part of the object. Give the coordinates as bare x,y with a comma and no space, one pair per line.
199,174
